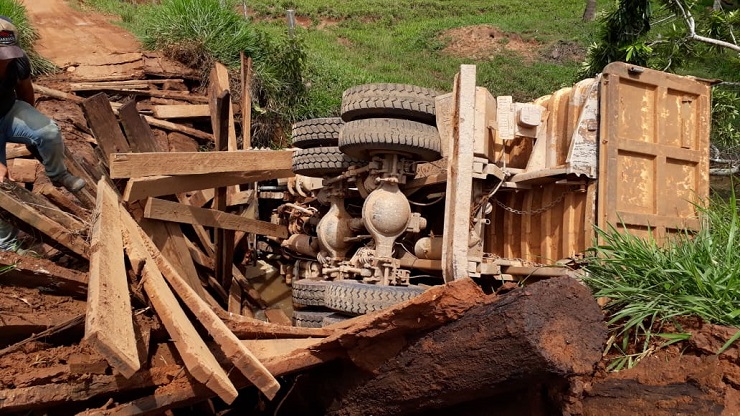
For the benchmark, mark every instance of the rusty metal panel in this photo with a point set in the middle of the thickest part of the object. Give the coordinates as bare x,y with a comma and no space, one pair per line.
654,152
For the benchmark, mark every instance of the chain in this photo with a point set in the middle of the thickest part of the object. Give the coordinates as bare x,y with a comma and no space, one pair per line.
534,211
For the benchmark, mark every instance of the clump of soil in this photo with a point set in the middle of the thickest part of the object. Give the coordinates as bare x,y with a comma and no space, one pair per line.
480,42
564,51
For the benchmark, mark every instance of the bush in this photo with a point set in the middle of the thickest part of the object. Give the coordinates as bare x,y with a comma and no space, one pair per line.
27,35
691,275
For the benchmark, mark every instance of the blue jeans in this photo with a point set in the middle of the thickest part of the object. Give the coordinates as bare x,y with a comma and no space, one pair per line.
26,125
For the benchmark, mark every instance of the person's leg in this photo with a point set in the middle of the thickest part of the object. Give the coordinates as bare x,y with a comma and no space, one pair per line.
31,127
8,237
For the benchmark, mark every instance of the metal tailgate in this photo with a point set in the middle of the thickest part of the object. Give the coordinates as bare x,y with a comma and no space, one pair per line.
654,153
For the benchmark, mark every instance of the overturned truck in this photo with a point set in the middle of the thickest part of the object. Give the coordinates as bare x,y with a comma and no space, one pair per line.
411,188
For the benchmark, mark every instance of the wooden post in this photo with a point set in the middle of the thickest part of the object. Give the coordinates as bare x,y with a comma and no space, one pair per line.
246,81
224,238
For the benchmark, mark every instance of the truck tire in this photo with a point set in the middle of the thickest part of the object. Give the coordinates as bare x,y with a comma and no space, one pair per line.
321,161
362,298
308,293
309,319
361,138
407,102
317,132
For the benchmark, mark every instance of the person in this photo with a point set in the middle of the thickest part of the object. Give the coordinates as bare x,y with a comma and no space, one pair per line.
21,122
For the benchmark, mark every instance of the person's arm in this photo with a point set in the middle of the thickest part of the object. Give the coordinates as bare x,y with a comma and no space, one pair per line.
24,90
24,86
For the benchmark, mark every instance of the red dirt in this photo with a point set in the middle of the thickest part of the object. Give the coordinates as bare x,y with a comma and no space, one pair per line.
481,42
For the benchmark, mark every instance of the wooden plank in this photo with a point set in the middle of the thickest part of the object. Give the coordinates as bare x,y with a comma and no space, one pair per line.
240,198
232,348
138,132
181,111
60,234
23,170
167,125
173,95
160,209
153,186
105,128
137,165
272,348
109,326
59,199
246,81
460,183
277,316
199,361
88,194
35,272
223,239
235,299
134,83
14,150
219,83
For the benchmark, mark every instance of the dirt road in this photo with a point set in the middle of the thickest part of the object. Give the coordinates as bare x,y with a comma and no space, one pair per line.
87,45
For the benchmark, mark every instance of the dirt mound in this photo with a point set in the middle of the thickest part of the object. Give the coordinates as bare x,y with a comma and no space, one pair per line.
482,41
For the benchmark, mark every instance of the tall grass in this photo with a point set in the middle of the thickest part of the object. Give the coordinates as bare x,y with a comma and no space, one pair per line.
27,35
691,275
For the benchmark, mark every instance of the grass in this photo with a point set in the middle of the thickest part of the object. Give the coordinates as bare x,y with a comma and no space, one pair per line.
26,35
650,285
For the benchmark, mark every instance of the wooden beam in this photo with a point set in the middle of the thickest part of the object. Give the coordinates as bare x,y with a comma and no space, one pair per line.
153,186
109,326
138,132
181,111
230,345
104,125
60,199
28,214
199,361
137,165
160,209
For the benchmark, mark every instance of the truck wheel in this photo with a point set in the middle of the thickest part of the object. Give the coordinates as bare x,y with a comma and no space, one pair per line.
308,293
361,138
361,298
309,319
321,161
317,132
402,101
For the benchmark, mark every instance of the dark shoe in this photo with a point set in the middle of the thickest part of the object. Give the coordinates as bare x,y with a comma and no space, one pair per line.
69,182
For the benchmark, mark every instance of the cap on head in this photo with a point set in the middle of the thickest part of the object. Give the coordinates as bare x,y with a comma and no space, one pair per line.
9,48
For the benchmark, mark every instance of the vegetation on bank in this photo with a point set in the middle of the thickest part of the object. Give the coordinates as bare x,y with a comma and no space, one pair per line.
649,285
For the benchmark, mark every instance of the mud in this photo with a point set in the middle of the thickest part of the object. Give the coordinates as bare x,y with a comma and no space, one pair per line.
482,42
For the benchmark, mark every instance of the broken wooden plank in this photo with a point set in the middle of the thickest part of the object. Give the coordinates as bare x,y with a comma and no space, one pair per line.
199,361
153,186
34,272
109,326
26,213
69,324
138,132
232,348
137,165
59,199
160,209
104,125
271,348
181,111
46,208
60,95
